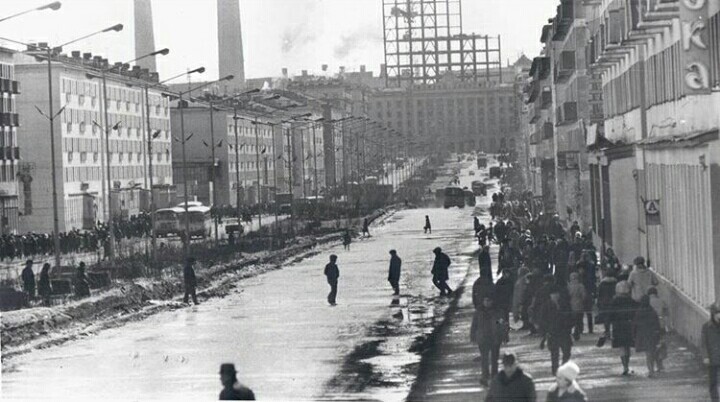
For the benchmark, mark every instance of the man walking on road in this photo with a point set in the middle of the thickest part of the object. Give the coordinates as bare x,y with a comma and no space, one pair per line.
190,281
332,273
427,228
394,273
440,271
710,345
232,389
512,383
556,321
487,331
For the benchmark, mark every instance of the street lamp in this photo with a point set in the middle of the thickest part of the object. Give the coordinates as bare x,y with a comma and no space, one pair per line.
103,77
54,6
181,106
49,53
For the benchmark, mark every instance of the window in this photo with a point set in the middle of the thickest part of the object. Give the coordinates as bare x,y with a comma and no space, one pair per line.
82,127
118,104
130,156
68,97
81,99
27,193
138,156
83,157
93,100
69,127
157,109
167,155
94,129
127,106
95,156
70,156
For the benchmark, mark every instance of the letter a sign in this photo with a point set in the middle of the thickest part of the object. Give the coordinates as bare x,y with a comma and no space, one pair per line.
652,212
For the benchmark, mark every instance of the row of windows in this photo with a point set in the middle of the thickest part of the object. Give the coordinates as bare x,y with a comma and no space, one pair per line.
8,137
7,172
251,166
246,131
7,103
94,173
115,157
441,101
7,71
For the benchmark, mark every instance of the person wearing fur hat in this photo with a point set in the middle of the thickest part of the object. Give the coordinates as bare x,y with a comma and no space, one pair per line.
566,388
621,314
512,383
710,345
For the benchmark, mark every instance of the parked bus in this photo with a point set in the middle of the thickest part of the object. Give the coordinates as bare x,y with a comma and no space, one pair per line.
167,221
200,222
454,197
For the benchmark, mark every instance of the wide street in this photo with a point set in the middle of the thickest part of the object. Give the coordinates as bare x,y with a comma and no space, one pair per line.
278,329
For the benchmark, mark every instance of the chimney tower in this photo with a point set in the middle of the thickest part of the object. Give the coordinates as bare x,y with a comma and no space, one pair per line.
144,36
230,45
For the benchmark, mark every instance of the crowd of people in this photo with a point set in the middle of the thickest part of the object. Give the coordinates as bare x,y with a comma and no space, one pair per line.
555,282
31,245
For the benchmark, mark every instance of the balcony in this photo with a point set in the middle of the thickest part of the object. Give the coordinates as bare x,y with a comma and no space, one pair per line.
566,66
568,113
546,99
548,130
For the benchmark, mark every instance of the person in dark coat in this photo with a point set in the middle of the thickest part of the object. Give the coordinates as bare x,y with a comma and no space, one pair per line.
534,283
487,331
332,273
606,292
646,332
556,322
587,270
347,239
566,388
485,262
482,287
476,224
82,285
44,288
710,347
190,281
508,258
394,272
366,228
232,389
512,383
440,271
621,314
28,278
428,227
560,254
504,288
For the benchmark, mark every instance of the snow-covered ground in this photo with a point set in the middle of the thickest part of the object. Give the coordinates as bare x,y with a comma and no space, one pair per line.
285,340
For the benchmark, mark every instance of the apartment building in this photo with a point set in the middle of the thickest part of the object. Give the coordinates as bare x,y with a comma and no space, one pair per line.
81,163
9,150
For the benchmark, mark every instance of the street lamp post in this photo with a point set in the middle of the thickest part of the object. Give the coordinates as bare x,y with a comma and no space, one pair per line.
54,6
183,141
49,53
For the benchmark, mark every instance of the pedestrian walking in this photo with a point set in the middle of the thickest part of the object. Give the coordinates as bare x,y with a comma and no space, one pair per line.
427,228
556,323
588,276
487,331
81,283
518,295
566,388
641,279
44,287
622,313
440,272
476,224
332,273
347,239
577,293
646,333
512,383
366,228
28,278
504,288
394,272
710,345
606,293
662,312
485,262
190,281
232,389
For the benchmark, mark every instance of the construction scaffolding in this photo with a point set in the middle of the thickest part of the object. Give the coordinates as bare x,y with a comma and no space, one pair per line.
424,41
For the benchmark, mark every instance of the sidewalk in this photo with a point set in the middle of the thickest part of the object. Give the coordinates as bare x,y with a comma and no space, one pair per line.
450,370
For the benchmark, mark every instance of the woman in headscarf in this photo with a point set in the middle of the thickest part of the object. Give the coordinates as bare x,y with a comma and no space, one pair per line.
566,388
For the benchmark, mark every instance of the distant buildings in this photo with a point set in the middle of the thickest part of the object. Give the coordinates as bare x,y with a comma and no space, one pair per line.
80,143
9,149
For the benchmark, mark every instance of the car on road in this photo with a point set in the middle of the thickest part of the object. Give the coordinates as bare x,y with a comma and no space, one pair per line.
453,197
479,188
233,226
472,173
469,197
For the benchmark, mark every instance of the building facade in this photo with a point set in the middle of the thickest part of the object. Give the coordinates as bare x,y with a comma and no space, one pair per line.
9,150
458,116
81,162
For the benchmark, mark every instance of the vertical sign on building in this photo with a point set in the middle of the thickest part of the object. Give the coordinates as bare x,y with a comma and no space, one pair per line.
693,20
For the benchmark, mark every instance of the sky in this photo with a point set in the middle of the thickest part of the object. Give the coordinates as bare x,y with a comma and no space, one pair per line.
296,34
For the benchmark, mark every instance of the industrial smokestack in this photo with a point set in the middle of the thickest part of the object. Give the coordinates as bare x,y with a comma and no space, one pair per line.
144,36
230,45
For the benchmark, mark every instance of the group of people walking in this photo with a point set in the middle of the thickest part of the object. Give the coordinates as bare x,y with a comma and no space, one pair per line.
44,285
